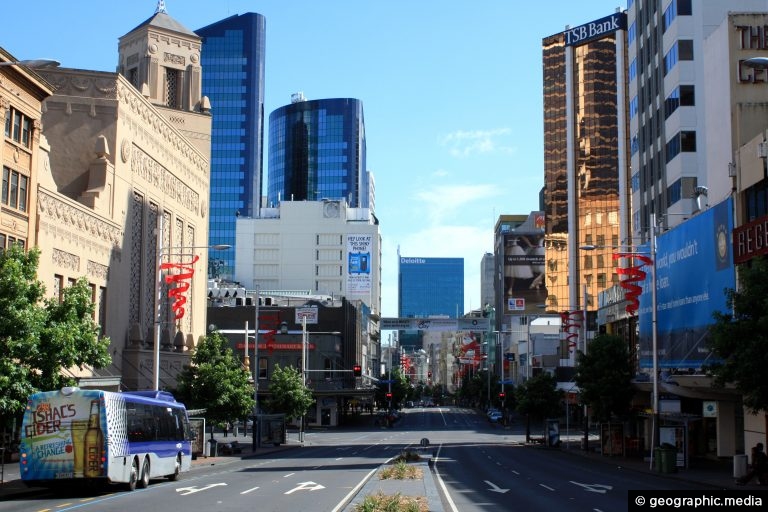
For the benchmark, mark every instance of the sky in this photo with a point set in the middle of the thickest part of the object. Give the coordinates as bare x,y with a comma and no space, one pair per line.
451,91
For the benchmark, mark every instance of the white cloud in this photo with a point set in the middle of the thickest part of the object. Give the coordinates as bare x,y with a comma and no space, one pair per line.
443,202
465,143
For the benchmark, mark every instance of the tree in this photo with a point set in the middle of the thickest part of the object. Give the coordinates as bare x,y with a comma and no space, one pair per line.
604,377
538,397
400,388
288,394
40,337
739,338
216,381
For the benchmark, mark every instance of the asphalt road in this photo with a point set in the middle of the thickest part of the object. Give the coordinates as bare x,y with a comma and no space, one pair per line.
479,467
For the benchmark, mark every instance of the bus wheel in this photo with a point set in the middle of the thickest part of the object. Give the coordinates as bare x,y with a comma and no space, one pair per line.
176,470
134,476
144,480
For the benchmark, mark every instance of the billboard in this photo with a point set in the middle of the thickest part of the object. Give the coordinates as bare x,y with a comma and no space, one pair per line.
694,267
523,256
359,264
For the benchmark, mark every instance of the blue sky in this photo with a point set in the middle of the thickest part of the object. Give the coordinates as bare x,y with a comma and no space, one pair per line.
451,91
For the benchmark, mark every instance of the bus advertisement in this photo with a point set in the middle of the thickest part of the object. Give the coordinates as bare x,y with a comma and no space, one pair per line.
89,434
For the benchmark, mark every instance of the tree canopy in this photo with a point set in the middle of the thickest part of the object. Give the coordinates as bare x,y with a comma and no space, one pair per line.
216,381
739,338
400,386
604,377
288,394
539,397
42,337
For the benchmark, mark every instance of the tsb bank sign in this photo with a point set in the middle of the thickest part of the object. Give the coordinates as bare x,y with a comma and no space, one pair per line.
596,29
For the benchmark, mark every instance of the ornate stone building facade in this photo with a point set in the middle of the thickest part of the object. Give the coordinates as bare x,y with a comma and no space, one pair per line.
21,94
124,186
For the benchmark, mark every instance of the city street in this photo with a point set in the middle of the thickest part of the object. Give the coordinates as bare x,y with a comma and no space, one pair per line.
479,466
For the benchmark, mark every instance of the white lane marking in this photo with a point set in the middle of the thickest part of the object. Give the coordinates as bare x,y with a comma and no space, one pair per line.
600,488
191,490
495,488
289,474
546,487
249,490
440,481
351,493
306,486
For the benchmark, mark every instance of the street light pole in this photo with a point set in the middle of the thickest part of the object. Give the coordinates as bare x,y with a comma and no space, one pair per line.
303,370
32,63
161,252
654,331
256,372
654,344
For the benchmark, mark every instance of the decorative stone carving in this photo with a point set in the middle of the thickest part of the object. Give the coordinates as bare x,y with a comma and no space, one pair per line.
125,150
66,260
97,270
160,178
87,225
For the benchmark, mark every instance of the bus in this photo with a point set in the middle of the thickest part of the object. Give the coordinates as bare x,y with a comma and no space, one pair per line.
100,436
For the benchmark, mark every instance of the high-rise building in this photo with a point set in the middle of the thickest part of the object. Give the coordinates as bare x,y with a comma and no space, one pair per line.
317,151
430,287
585,159
233,79
486,280
668,71
697,124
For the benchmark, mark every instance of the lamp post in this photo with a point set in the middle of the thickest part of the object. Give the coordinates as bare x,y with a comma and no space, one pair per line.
32,63
162,252
654,329
304,337
757,62
256,371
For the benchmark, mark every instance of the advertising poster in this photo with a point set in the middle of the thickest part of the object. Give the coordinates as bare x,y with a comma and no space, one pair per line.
64,436
524,284
359,264
694,267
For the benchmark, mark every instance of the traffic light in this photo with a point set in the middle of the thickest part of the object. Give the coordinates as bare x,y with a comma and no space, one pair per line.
357,370
389,396
502,395
429,375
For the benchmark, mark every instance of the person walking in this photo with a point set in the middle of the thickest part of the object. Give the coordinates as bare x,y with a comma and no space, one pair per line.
759,467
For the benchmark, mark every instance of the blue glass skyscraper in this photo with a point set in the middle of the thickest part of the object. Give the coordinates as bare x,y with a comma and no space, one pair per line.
317,151
430,286
232,59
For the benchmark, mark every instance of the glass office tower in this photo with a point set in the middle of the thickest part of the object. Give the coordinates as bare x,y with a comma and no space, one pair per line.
233,79
585,160
317,151
430,286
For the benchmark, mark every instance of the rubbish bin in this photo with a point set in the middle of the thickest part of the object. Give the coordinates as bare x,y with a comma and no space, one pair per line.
213,448
739,466
667,459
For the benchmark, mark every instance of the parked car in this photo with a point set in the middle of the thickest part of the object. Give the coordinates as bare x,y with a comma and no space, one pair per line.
494,417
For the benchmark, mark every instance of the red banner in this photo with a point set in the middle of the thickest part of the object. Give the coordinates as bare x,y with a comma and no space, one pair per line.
634,274
186,271
570,320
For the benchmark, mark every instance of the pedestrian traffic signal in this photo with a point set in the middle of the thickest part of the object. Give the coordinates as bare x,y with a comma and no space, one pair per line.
357,370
